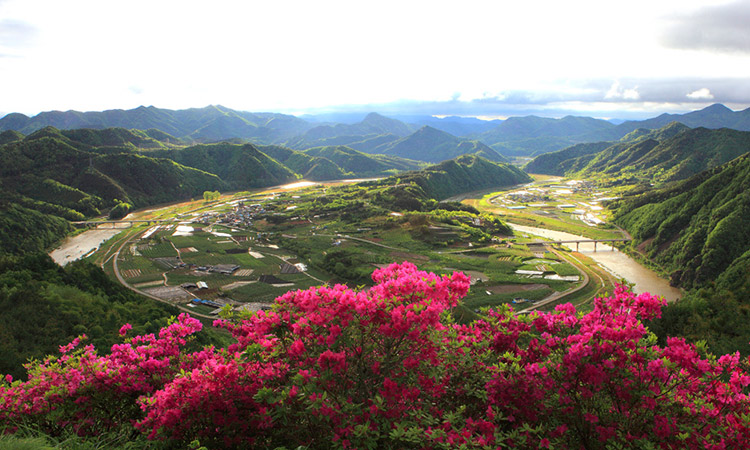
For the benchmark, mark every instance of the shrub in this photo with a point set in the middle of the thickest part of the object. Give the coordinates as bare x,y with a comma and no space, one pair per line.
385,367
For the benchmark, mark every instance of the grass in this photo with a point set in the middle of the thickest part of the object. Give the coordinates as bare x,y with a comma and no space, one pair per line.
30,439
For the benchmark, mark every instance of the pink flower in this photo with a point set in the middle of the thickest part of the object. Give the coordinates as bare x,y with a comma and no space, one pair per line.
297,348
125,328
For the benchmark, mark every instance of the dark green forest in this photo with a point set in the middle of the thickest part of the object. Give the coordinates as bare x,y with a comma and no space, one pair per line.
45,305
671,153
698,231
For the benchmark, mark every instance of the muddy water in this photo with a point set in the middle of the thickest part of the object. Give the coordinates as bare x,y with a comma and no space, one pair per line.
617,263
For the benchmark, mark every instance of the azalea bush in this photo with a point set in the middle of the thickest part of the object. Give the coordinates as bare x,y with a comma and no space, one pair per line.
385,367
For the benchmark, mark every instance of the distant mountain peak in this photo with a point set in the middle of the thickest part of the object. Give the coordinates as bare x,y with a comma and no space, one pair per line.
373,116
716,108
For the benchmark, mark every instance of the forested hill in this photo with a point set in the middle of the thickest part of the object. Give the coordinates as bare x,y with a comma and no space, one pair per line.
355,162
466,173
532,135
671,153
714,117
432,145
698,230
55,172
568,160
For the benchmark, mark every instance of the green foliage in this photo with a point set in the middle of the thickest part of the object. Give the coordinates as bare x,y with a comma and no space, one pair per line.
24,230
44,304
563,161
120,210
696,228
358,163
239,166
673,152
211,196
432,145
309,167
464,174
50,168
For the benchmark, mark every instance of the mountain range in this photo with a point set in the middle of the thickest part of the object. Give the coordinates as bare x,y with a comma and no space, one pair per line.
673,152
515,136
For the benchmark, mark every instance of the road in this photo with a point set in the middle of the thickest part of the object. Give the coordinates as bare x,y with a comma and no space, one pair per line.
346,236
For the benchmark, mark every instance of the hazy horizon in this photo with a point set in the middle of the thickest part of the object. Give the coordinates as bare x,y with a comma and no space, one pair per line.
483,58
352,115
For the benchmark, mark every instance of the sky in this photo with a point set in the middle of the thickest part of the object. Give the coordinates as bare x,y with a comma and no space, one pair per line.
489,59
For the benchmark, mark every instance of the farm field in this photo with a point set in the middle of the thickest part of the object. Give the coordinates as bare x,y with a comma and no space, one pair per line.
246,249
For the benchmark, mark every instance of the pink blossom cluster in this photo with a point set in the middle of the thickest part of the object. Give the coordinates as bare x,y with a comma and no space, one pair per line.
386,367
90,393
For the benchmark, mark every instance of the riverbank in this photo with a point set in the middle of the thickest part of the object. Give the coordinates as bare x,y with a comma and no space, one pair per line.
614,261
80,245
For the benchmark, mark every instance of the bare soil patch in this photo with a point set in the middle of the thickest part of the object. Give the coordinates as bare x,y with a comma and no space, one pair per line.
171,293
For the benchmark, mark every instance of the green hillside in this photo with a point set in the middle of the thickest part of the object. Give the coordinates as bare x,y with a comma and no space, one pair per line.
660,134
6,137
371,144
532,135
309,167
678,157
695,228
673,152
240,166
578,157
362,164
466,173
120,137
432,145
372,125
25,230
567,160
125,176
714,117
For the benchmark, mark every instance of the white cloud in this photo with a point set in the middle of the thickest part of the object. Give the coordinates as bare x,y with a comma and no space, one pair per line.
701,94
616,91
720,28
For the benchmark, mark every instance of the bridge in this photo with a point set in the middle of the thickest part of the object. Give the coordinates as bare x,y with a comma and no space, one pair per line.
577,242
115,222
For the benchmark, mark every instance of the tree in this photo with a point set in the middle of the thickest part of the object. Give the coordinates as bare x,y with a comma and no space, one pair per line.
211,196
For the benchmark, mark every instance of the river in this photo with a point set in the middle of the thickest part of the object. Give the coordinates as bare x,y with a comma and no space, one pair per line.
615,262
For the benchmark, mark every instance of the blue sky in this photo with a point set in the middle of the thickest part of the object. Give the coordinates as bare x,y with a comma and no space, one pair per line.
607,59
